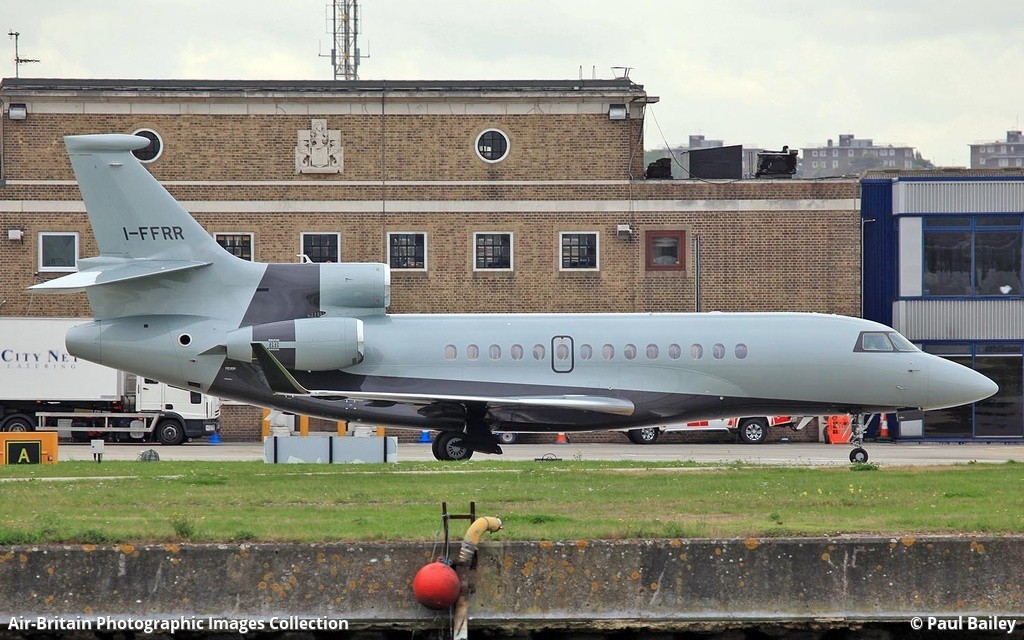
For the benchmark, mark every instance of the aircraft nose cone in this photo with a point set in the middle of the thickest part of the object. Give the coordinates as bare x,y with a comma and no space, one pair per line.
951,385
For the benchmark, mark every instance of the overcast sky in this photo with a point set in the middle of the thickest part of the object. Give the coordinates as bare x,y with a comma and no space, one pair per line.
933,74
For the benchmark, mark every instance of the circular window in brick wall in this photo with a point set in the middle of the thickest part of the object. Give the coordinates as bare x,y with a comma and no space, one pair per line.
492,145
152,151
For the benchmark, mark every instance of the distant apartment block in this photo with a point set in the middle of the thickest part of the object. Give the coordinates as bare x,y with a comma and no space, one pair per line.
853,156
999,153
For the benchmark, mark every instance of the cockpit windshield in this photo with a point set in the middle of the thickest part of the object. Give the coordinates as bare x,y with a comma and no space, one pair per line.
883,341
901,343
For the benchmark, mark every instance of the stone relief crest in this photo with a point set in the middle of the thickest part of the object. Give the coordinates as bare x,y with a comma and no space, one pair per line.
319,149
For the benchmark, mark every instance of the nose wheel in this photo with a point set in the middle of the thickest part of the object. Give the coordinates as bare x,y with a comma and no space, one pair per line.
858,425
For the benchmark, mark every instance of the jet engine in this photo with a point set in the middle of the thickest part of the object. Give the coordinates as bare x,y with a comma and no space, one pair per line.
306,344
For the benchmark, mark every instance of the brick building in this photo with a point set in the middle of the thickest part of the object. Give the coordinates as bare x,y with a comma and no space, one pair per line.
482,196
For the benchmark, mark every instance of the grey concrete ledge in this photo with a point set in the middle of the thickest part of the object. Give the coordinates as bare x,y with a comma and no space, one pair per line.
586,583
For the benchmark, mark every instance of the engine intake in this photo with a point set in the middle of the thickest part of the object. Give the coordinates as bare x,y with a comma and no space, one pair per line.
306,344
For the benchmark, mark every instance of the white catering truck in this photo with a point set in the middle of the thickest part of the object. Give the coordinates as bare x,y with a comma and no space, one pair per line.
43,387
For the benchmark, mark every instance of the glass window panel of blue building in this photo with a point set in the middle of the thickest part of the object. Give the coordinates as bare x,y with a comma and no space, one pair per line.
973,256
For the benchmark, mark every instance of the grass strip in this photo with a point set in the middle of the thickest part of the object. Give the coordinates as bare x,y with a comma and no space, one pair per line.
82,502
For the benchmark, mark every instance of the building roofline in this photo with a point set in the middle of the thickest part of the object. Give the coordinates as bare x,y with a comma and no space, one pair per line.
946,174
99,85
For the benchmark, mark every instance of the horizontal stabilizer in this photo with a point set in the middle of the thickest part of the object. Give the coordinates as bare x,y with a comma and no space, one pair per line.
283,383
117,272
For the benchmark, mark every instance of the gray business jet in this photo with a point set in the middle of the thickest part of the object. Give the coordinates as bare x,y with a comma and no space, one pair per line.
315,339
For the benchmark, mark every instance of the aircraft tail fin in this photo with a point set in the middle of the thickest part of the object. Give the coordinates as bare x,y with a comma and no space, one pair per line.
131,214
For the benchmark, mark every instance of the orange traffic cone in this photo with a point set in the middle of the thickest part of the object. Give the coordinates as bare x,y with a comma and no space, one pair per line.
883,429
561,439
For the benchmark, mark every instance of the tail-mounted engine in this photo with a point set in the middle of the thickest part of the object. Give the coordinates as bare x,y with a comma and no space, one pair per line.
306,344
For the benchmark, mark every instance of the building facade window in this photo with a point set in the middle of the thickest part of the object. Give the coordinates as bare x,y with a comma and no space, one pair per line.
237,244
972,256
578,251
321,247
492,251
153,150
666,251
58,251
492,145
407,251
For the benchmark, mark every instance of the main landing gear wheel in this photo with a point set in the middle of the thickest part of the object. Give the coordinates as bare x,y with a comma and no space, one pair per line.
451,445
858,456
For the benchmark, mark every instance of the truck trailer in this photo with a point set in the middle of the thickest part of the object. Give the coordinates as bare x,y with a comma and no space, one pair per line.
44,388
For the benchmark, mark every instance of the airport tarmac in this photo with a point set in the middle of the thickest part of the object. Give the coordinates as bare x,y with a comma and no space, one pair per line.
781,453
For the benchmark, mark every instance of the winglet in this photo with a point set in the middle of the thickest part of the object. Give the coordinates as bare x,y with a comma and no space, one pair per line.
280,380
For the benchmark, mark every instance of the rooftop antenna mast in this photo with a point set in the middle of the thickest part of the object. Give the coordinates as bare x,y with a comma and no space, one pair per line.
343,25
18,60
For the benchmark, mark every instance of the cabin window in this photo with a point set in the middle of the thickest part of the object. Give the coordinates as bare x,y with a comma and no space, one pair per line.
237,244
516,352
741,351
58,251
321,247
472,352
629,351
652,352
492,145
450,352
607,352
492,251
666,251
494,352
578,251
407,251
538,352
586,352
152,151
696,351
718,351
674,351
561,352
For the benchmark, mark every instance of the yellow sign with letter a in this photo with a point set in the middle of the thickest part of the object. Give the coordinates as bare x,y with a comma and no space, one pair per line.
28,448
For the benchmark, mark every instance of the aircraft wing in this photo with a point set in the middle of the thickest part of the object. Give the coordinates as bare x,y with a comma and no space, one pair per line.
282,382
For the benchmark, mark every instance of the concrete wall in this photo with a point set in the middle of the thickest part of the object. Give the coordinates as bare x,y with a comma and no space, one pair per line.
559,585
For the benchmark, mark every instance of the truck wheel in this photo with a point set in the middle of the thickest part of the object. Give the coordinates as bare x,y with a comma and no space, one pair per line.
753,430
170,432
18,424
504,437
647,435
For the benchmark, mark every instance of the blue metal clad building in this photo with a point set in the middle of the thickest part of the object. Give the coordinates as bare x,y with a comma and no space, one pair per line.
943,264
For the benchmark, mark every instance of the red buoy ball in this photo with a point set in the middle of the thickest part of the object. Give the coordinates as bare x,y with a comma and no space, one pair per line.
436,586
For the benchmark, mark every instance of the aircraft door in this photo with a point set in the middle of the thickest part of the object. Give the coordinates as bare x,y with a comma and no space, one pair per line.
562,355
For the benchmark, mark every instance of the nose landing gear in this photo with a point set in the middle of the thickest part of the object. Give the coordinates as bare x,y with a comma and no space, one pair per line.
858,425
